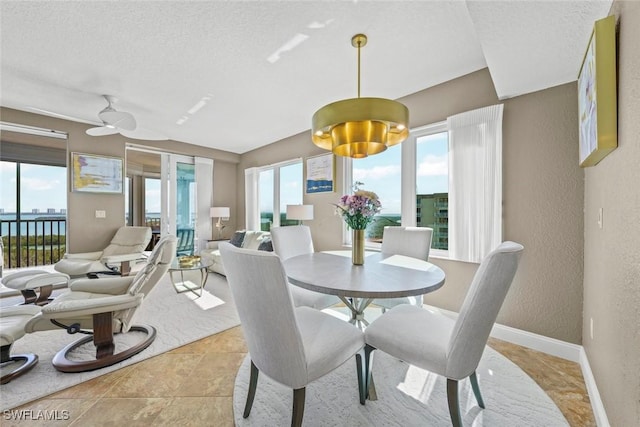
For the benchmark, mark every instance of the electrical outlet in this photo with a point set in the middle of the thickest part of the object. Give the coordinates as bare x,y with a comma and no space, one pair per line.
101,214
591,327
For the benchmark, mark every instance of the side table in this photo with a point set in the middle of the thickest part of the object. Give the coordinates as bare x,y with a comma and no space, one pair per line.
178,270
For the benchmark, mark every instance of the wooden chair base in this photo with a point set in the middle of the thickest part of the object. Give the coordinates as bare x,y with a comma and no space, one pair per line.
31,296
63,364
30,360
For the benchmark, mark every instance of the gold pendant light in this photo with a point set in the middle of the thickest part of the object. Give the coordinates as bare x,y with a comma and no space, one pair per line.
359,127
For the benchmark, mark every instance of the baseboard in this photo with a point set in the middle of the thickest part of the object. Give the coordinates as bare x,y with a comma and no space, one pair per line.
537,342
530,340
594,396
554,347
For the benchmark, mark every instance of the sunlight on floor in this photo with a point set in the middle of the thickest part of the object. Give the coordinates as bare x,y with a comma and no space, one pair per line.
206,302
418,383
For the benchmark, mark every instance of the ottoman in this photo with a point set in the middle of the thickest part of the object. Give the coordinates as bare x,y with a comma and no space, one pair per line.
12,322
35,285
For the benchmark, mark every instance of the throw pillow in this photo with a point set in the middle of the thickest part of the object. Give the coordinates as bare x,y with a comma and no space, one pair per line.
266,245
237,238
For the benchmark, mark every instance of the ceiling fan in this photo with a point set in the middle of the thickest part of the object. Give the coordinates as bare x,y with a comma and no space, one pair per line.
113,121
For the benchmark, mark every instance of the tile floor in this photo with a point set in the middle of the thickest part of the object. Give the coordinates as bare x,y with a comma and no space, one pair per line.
193,386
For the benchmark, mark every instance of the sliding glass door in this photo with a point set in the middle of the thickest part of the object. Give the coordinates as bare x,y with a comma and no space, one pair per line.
186,197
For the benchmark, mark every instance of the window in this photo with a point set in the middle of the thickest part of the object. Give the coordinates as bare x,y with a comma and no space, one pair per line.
432,185
33,214
277,186
290,190
266,196
425,155
382,175
152,210
450,176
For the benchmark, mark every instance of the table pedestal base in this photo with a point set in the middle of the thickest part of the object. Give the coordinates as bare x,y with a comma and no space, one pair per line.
357,306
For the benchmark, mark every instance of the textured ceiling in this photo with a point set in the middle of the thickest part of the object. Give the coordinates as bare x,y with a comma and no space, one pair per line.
259,70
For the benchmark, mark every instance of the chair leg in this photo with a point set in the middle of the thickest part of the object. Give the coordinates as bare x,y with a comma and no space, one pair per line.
298,407
454,406
476,389
362,376
368,356
253,384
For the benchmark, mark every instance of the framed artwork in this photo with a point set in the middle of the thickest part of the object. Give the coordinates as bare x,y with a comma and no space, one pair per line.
92,173
597,104
320,174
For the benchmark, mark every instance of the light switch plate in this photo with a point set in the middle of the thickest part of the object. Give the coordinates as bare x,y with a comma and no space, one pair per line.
101,214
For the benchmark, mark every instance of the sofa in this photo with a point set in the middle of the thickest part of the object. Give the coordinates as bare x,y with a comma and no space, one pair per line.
249,239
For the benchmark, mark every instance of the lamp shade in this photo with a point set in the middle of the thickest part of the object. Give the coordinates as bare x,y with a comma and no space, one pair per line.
360,127
220,212
300,212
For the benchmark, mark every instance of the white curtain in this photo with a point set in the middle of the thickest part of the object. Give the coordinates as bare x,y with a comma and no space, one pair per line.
204,201
251,208
475,183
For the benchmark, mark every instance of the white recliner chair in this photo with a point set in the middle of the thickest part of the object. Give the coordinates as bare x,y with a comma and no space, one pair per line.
101,308
126,246
12,321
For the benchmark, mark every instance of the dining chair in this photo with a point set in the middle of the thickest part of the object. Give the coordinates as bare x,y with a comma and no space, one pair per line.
414,242
292,241
292,345
430,340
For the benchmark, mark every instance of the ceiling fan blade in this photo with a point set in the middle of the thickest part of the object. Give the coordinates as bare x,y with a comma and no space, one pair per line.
102,131
142,133
119,119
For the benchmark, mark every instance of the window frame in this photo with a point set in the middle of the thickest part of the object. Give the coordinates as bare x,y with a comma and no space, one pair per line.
276,186
408,180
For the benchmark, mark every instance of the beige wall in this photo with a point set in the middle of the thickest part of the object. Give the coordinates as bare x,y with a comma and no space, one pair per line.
81,207
612,254
543,200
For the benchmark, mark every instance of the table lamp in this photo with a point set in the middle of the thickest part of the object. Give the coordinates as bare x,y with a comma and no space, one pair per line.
300,212
220,213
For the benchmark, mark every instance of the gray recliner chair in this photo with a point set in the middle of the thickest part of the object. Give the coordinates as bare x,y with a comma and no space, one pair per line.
126,246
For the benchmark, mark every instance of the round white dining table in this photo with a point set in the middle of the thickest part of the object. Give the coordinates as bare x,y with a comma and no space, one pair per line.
381,276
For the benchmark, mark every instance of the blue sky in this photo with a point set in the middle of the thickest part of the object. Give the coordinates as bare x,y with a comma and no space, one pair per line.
42,187
382,174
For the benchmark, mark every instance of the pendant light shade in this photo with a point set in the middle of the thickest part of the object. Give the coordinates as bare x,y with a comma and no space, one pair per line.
360,127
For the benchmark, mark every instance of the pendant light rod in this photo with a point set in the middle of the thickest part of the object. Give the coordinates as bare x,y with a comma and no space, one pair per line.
358,41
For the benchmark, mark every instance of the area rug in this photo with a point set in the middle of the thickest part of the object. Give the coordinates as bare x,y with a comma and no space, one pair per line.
407,396
179,319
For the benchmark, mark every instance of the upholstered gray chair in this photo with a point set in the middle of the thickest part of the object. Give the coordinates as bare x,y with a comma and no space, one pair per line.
102,308
292,345
451,348
413,242
126,246
296,240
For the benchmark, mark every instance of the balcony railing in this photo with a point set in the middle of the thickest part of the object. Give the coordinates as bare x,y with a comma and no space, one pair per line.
33,242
